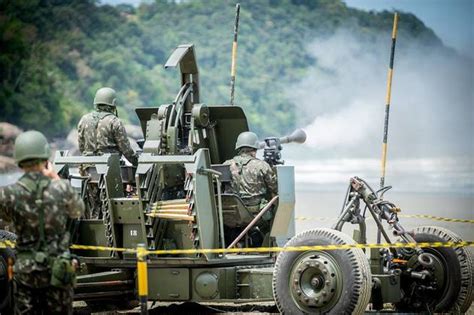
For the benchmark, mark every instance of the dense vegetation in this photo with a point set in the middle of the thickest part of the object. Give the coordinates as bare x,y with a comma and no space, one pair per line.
54,54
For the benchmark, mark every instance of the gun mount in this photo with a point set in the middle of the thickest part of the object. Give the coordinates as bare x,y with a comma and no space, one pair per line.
272,146
177,201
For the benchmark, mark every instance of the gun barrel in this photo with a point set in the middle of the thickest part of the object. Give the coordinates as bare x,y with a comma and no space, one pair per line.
298,136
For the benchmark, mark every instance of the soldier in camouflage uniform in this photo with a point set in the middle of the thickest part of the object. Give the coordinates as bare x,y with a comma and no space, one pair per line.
102,131
40,206
253,180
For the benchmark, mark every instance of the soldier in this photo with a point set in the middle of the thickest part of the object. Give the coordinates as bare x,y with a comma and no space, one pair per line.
102,131
40,206
253,180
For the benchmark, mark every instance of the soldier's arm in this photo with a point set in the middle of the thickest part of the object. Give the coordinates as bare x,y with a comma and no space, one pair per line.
269,176
6,203
80,135
120,136
74,204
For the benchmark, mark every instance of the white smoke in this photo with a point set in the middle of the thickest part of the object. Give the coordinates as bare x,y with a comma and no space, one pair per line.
342,104
342,99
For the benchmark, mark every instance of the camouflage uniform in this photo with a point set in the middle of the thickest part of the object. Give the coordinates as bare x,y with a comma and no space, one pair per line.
18,204
253,180
102,132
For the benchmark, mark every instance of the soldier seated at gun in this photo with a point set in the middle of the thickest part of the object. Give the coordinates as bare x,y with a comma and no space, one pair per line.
255,182
101,131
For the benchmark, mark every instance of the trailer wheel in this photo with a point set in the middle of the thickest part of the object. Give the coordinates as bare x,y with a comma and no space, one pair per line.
335,281
5,285
451,287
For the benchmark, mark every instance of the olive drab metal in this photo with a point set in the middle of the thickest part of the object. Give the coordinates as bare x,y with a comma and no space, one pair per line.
105,96
177,197
247,139
31,145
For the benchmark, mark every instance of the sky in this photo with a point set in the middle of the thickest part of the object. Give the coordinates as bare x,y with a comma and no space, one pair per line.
451,20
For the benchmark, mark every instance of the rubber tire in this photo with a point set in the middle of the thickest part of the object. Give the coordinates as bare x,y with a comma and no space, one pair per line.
5,289
356,282
460,261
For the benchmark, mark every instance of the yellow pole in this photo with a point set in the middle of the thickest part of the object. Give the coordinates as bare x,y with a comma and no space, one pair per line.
142,276
234,54
387,108
387,99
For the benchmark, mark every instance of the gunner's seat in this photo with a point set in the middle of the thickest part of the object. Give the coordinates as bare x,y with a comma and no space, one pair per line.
234,211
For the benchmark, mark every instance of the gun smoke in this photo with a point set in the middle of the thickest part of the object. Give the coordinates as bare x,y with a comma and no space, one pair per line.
342,103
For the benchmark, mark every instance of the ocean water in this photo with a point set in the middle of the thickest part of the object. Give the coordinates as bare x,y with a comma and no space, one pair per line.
321,187
320,208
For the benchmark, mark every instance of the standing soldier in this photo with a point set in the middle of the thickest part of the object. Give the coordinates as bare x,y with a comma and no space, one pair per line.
40,206
253,180
102,131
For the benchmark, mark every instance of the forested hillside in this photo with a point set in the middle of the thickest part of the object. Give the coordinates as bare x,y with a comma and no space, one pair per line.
54,54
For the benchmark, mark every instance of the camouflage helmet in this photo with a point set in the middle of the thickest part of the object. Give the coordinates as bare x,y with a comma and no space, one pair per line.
105,96
31,145
247,139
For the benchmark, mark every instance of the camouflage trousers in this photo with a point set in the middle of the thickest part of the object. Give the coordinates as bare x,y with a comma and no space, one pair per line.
42,300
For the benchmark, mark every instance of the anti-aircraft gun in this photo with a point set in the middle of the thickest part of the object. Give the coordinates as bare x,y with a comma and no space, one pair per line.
177,201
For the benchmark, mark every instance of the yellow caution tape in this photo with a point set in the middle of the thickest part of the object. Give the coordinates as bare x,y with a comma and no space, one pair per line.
436,218
269,249
413,216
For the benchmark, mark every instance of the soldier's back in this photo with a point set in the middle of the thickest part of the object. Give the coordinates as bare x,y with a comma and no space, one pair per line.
97,133
59,203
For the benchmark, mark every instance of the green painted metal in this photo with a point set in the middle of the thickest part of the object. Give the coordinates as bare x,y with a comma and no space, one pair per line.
390,287
284,221
169,284
315,281
92,232
204,200
183,140
253,284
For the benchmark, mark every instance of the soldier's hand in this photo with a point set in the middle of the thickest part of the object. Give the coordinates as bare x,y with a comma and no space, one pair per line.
75,264
48,171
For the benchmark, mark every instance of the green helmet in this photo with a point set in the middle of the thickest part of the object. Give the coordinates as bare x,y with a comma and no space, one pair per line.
247,139
31,145
105,96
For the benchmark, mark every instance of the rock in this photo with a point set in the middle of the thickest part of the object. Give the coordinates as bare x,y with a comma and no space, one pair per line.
8,134
7,165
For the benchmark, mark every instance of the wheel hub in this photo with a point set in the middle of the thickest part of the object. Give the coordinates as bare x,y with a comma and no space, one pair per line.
314,280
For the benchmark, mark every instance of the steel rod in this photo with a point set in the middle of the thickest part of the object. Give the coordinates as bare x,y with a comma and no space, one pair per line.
253,222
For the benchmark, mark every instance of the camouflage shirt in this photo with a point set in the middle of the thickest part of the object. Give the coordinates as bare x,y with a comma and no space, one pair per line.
102,132
18,205
252,179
